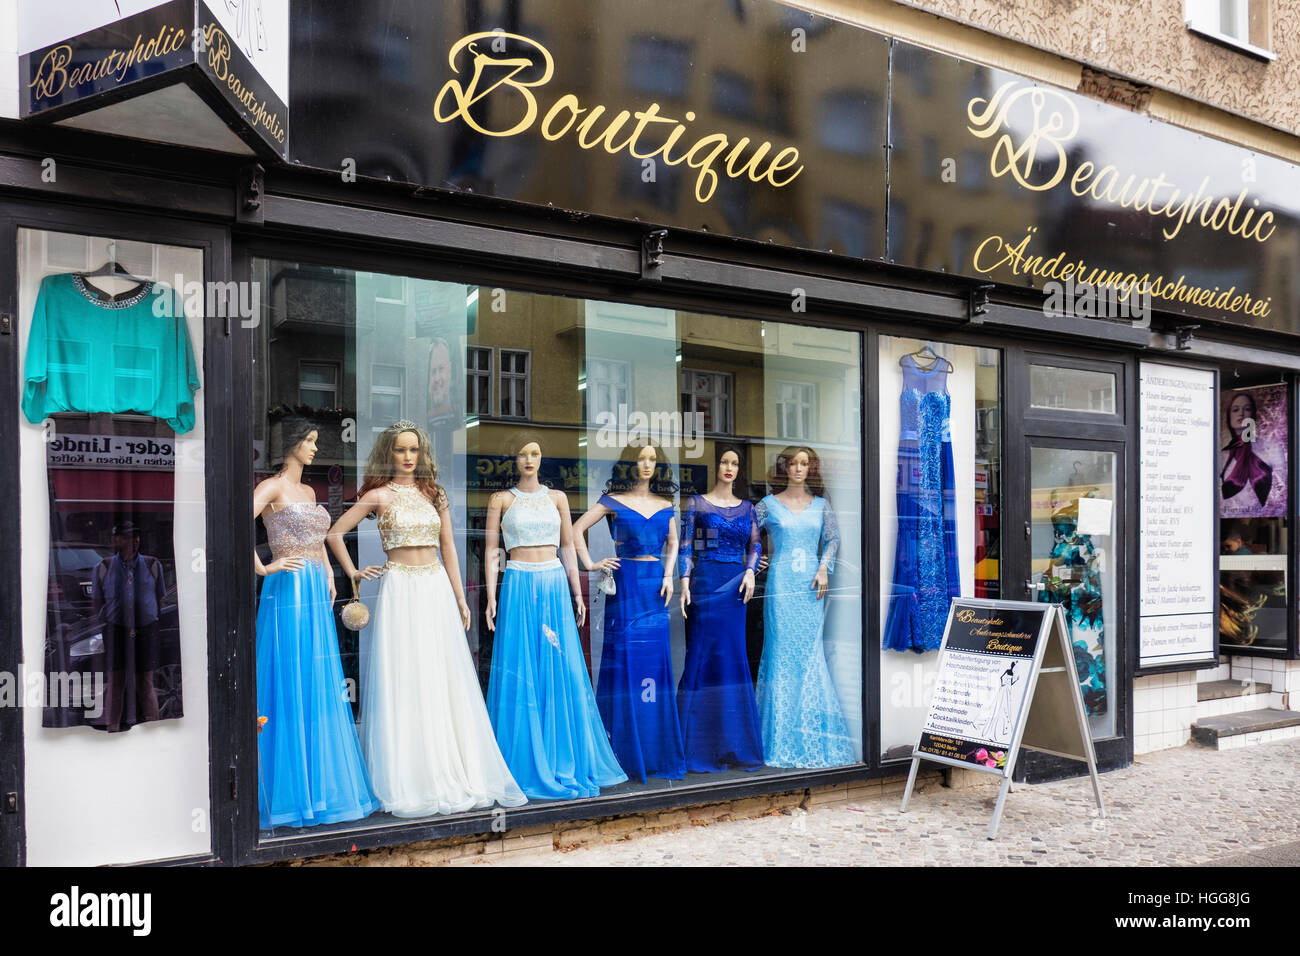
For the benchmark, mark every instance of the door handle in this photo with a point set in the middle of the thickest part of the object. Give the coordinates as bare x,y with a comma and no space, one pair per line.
1032,586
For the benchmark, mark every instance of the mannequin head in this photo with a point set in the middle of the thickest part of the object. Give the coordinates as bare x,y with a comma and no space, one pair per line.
797,465
300,437
402,452
729,464
640,462
526,454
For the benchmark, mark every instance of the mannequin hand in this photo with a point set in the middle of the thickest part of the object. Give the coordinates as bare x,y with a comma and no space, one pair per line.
368,573
762,562
686,595
464,612
747,586
334,591
820,583
604,564
666,589
491,614
285,564
580,610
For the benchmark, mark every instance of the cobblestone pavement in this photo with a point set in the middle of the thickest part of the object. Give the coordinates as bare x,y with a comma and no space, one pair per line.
1186,806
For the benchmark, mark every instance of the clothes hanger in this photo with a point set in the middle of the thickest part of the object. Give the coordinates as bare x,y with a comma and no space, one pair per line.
931,357
114,269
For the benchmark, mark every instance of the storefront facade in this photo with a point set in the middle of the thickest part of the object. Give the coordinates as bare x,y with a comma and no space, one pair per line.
768,232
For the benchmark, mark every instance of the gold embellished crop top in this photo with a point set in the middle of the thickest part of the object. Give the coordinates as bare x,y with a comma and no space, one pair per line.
410,521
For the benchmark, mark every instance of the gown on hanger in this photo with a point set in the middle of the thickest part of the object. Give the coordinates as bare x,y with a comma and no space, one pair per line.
926,576
801,715
310,769
1074,582
635,688
539,695
424,727
715,697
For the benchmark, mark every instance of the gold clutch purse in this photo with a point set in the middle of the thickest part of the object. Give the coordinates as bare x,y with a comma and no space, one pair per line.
355,614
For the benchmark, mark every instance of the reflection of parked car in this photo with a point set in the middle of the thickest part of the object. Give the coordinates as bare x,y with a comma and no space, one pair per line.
71,565
79,649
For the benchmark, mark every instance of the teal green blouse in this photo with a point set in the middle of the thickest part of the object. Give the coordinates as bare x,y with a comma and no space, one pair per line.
91,353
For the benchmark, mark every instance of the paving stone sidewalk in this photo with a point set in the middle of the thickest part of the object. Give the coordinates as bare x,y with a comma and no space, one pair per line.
1186,806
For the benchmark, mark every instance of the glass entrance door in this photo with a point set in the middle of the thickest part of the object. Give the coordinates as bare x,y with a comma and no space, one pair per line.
1074,553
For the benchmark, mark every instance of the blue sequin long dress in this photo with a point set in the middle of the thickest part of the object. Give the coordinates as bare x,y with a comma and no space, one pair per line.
926,577
801,715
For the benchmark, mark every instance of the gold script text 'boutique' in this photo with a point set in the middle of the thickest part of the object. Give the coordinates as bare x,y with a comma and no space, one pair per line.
500,77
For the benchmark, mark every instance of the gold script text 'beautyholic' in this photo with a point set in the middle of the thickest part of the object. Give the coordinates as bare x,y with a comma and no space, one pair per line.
500,77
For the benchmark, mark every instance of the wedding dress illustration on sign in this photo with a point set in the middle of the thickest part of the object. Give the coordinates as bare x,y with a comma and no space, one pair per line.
539,695
719,553
424,727
635,688
925,551
310,769
801,715
996,724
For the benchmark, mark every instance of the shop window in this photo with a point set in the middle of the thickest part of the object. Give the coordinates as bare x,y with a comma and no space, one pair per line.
386,392
1071,389
940,506
1241,23
114,586
1254,524
318,384
708,396
478,382
513,386
699,691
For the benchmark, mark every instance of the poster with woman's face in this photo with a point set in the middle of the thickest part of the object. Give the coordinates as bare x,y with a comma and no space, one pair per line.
1253,462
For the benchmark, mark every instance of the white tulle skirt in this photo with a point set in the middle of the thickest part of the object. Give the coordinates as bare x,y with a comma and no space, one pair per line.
425,731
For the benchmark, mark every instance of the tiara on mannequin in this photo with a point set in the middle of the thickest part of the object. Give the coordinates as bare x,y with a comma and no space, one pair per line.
403,426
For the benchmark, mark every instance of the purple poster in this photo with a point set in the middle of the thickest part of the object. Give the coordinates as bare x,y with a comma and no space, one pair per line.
1252,462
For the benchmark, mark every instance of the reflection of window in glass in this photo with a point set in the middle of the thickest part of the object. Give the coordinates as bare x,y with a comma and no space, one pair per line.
607,386
1075,389
514,383
846,228
930,156
389,288
708,394
318,384
970,170
846,119
796,404
963,246
733,95
386,392
478,380
656,65
659,184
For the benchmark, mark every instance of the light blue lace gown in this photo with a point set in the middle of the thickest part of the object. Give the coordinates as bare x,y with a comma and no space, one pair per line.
802,719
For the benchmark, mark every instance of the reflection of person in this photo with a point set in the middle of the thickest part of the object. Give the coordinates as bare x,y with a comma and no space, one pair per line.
720,550
539,695
1242,468
440,376
635,689
126,591
1233,543
310,769
802,719
997,721
425,730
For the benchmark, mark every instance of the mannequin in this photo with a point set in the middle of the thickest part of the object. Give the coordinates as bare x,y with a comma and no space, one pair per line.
803,721
539,695
310,766
715,698
634,691
425,730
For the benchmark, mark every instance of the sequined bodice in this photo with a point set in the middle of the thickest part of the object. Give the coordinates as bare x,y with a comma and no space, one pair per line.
716,533
297,530
635,535
409,521
532,520
924,402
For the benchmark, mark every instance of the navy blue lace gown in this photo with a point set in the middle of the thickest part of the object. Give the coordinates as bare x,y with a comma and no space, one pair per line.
715,697
925,555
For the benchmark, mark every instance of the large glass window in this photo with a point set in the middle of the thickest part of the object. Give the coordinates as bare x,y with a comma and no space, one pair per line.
940,494
1254,473
657,544
114,590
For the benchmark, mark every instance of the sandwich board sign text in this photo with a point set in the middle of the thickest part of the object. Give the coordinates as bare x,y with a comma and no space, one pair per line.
1006,680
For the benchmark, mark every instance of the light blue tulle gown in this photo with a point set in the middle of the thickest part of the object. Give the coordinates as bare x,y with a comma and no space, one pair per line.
539,696
802,719
310,769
